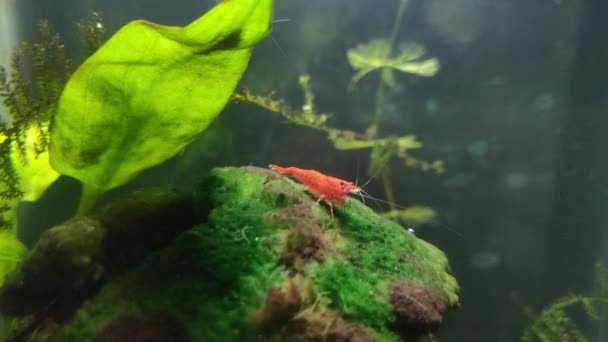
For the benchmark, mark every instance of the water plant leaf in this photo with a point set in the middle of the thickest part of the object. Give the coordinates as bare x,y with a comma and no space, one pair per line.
406,142
11,253
366,58
415,215
150,90
29,90
33,167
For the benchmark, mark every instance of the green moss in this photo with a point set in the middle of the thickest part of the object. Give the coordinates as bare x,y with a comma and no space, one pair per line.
195,280
379,252
218,278
359,295
380,245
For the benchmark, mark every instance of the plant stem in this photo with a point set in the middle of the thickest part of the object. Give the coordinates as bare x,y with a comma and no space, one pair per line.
88,198
380,97
388,190
397,23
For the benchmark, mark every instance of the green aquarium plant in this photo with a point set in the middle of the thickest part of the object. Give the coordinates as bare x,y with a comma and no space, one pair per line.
378,55
29,89
558,320
366,58
343,139
415,215
139,99
383,150
149,91
11,252
29,92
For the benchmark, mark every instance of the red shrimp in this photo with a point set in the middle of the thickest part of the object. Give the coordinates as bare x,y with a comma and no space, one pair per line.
325,188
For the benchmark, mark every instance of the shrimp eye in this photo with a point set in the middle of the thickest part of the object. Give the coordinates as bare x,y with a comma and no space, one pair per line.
341,183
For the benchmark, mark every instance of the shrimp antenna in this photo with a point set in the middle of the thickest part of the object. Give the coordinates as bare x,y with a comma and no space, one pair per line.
450,229
278,46
357,176
446,227
377,200
275,41
365,194
369,180
362,197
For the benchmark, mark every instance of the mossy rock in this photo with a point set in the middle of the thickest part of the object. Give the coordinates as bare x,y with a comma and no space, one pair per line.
71,261
268,264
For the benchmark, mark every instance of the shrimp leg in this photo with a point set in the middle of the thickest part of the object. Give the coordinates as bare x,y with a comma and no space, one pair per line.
322,198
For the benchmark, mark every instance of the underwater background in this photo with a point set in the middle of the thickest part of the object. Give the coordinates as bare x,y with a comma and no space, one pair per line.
503,107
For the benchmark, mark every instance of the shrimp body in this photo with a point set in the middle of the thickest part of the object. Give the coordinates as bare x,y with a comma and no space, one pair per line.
322,186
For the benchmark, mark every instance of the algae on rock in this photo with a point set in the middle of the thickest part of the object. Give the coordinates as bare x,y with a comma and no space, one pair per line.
71,261
268,264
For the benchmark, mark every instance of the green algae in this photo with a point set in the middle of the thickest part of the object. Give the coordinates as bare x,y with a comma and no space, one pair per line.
220,277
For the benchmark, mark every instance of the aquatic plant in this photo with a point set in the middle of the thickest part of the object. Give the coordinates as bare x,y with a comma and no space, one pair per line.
149,91
342,139
365,58
92,33
29,91
383,150
130,123
555,322
138,100
415,215
11,252
375,54
103,128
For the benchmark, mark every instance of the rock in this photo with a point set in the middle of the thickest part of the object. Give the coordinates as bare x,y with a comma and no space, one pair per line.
157,328
269,264
142,222
63,262
419,309
72,260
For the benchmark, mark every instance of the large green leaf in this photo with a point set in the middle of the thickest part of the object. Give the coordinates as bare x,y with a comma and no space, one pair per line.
11,253
150,90
34,171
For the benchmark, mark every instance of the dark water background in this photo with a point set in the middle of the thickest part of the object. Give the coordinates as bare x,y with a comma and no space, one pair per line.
518,113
